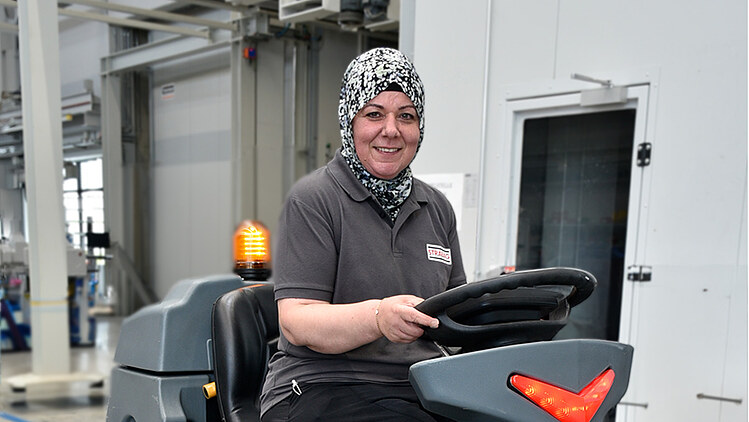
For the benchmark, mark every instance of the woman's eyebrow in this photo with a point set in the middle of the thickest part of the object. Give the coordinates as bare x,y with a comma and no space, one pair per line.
381,106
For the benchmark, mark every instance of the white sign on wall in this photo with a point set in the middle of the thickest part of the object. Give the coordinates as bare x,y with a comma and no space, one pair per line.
168,91
460,189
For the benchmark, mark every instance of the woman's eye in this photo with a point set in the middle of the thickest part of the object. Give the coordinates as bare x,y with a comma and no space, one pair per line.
373,114
407,116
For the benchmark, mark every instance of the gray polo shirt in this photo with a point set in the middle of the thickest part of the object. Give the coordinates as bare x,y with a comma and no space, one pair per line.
336,244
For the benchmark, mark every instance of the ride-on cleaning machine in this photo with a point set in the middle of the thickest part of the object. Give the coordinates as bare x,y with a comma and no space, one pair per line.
500,361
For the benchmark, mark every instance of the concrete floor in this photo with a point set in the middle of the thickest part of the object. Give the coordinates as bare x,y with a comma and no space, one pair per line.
74,402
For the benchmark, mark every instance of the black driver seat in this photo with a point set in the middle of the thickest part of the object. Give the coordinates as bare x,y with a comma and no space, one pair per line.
244,325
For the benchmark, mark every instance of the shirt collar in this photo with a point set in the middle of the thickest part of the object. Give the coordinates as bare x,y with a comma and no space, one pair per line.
342,174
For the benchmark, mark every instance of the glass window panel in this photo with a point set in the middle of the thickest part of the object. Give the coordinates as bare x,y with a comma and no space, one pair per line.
91,174
97,216
70,185
70,200
574,196
71,208
93,200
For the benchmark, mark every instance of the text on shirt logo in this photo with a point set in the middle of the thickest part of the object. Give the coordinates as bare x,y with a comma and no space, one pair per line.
439,254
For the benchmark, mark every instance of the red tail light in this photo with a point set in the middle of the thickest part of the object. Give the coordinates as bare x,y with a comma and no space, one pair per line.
564,405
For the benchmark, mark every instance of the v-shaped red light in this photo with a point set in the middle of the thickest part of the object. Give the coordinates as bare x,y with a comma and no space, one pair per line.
564,405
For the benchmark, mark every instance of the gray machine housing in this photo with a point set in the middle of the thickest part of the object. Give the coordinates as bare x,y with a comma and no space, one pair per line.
163,356
449,385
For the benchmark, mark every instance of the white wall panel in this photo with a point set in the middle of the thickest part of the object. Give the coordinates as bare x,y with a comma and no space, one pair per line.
452,69
523,42
82,45
192,230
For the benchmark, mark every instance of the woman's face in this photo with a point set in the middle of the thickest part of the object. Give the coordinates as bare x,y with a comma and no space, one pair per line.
386,134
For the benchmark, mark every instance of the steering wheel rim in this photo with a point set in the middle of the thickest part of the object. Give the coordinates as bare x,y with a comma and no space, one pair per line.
451,332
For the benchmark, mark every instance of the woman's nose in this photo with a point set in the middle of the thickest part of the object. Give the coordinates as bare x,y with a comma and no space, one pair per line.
390,126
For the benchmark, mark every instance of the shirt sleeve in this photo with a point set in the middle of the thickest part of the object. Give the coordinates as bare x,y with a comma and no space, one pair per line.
306,254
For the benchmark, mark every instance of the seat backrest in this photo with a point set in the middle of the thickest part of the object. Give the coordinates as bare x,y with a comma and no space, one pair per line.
245,335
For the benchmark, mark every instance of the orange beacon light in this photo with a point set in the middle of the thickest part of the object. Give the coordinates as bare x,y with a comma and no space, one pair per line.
252,251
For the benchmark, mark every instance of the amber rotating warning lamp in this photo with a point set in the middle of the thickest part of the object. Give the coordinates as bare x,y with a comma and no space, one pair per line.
252,251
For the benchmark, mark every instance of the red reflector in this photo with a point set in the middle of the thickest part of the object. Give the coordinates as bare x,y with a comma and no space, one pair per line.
564,405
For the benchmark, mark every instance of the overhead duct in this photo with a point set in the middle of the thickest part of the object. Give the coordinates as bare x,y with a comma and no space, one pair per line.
375,10
351,16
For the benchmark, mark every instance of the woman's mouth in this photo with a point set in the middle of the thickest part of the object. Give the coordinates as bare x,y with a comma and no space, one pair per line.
387,150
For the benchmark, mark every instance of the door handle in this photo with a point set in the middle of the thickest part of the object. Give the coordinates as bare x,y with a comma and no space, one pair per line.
702,396
628,403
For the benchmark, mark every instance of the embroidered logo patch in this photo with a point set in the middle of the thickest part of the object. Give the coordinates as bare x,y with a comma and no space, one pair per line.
439,254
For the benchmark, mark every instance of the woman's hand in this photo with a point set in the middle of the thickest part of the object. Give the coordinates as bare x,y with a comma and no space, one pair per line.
399,321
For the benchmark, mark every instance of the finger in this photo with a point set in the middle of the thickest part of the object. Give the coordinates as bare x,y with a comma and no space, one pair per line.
408,333
414,331
422,319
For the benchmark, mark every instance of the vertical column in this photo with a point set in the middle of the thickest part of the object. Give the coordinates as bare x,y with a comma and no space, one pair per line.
243,135
313,98
289,115
406,29
42,142
112,177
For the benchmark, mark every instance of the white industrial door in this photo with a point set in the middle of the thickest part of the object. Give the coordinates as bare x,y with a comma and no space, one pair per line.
575,195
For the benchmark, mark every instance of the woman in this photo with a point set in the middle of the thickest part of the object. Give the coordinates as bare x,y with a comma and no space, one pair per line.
361,242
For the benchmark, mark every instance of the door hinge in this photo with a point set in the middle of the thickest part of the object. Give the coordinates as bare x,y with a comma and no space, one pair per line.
639,273
643,154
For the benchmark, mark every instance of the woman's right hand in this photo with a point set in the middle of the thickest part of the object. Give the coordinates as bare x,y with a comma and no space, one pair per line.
333,329
399,321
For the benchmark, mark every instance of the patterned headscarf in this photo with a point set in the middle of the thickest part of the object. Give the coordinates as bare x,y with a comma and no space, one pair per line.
365,78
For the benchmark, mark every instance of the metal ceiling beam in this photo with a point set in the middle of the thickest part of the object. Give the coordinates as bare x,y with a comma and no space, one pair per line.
156,14
8,27
130,23
214,5
158,51
135,24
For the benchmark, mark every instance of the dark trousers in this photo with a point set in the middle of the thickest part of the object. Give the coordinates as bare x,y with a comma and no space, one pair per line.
330,402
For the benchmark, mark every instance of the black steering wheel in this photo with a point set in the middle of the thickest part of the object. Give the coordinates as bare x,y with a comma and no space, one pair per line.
513,308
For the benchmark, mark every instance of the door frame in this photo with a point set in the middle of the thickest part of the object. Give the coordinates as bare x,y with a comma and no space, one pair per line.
502,160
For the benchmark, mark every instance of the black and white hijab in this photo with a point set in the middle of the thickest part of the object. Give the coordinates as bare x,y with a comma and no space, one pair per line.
366,77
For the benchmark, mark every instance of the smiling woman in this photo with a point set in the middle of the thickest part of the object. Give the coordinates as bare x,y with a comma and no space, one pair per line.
361,243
